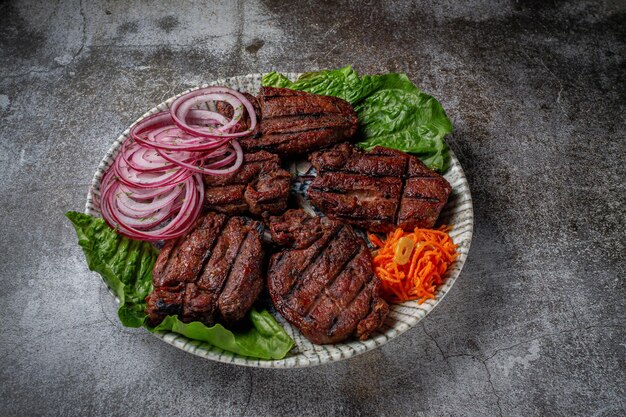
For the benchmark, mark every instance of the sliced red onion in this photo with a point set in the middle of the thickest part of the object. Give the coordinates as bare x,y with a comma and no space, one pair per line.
174,139
130,206
153,190
183,105
143,159
213,167
144,193
144,222
180,221
199,116
151,122
158,179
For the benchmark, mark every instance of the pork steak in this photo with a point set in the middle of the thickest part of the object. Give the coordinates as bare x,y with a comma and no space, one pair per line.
296,122
324,284
376,190
213,273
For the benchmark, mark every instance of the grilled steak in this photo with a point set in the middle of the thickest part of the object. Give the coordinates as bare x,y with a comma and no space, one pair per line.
324,284
376,190
259,186
295,122
211,274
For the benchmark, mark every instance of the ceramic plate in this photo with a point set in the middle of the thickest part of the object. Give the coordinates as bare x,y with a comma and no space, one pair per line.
402,317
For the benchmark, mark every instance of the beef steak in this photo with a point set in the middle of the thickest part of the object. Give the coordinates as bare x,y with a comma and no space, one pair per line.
259,186
376,190
296,122
214,273
324,284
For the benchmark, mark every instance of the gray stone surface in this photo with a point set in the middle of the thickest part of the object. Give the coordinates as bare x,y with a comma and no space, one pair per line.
536,92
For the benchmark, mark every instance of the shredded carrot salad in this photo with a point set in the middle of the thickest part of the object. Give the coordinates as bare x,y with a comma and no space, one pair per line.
411,265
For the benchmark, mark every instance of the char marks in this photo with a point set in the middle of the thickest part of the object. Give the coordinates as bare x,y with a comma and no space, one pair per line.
376,190
295,122
213,273
325,289
258,187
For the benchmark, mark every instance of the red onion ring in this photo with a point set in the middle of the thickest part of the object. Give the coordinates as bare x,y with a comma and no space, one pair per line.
141,179
153,190
134,207
143,159
211,169
158,139
182,106
207,117
143,193
180,221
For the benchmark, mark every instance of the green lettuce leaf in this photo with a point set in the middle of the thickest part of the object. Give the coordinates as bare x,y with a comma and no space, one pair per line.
265,339
126,267
343,83
392,111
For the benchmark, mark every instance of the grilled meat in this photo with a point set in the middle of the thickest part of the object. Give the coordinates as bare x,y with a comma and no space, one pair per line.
214,273
425,194
295,122
259,186
324,284
295,229
376,190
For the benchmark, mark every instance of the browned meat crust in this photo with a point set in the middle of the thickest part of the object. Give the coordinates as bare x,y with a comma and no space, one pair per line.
327,289
295,122
376,190
214,273
295,229
260,186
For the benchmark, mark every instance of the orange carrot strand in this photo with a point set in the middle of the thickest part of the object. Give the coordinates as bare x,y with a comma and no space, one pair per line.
417,279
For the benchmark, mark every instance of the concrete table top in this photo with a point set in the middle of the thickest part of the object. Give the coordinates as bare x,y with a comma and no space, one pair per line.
537,94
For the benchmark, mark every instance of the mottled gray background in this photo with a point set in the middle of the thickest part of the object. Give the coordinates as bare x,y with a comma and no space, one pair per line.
536,92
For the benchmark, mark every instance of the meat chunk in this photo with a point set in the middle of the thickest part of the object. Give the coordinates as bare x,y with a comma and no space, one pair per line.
295,122
376,190
324,284
214,273
259,186
295,229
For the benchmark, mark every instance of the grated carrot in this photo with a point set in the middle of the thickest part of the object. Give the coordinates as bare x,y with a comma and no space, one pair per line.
432,254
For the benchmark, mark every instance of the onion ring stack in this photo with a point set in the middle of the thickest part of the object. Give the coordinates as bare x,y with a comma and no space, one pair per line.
153,190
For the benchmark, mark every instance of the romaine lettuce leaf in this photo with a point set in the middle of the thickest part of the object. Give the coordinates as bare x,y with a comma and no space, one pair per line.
126,267
265,339
392,111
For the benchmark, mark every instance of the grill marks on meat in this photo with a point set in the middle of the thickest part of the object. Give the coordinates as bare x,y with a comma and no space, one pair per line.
233,269
259,186
425,194
296,122
321,280
376,190
212,273
324,284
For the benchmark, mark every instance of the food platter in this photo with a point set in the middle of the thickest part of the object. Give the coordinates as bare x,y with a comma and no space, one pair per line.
402,317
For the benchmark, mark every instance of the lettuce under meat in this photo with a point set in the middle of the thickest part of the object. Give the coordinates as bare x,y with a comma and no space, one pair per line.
126,267
392,111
